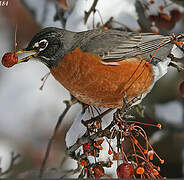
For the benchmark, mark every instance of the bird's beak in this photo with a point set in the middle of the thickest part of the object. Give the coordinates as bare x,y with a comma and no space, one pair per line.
25,59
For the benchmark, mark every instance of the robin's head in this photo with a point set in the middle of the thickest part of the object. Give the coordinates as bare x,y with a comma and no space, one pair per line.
48,46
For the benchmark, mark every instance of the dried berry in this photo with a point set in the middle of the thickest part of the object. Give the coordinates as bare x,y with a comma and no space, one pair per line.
109,152
99,142
86,147
83,163
9,59
125,170
98,171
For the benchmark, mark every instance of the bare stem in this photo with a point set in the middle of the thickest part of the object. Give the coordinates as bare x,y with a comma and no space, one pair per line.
71,172
92,9
13,159
85,139
51,139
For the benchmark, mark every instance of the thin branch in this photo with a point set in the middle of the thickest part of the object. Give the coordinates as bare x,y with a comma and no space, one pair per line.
45,10
101,133
85,139
92,9
63,160
108,23
142,19
14,158
85,123
179,68
51,139
60,16
179,2
72,172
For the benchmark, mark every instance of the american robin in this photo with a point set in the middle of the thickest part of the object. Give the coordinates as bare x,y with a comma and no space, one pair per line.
99,67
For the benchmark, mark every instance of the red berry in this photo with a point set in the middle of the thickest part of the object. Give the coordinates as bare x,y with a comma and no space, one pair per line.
86,147
83,163
98,171
10,59
99,142
181,89
140,170
109,152
125,170
155,172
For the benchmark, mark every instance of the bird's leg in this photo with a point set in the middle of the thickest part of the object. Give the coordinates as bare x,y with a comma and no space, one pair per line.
135,99
174,59
125,101
180,44
84,107
95,122
119,114
179,68
127,105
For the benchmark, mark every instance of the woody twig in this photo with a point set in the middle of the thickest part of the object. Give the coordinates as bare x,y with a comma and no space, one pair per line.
51,139
92,9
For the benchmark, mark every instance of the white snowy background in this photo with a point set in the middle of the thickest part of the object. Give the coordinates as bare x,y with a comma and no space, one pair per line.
28,115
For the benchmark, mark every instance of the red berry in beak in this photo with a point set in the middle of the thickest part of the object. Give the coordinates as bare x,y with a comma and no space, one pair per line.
9,59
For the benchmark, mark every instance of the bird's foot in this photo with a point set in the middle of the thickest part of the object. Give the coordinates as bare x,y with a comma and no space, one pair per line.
127,105
179,68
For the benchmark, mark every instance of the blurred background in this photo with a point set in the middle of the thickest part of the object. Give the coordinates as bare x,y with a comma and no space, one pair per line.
28,115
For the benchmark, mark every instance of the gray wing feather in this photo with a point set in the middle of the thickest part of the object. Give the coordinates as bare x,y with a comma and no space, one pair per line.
113,45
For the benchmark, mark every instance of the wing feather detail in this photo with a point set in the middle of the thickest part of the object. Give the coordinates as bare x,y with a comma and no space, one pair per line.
114,45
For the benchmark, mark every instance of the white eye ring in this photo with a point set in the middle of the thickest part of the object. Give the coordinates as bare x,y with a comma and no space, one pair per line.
43,41
37,44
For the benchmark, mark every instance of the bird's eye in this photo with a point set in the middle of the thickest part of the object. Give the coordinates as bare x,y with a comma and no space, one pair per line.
43,44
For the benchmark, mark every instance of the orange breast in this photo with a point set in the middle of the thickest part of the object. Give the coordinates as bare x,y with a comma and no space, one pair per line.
103,85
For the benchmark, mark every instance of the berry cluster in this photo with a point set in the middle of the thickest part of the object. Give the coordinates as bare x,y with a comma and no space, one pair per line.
131,156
